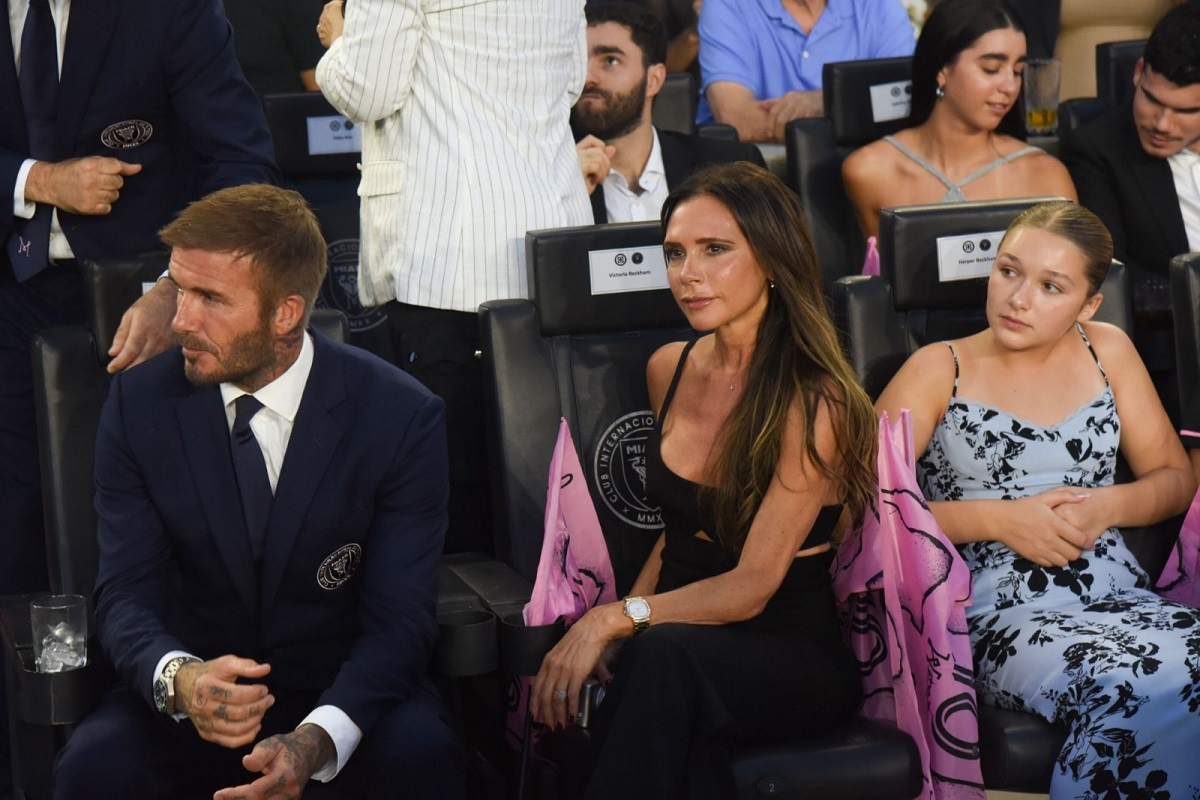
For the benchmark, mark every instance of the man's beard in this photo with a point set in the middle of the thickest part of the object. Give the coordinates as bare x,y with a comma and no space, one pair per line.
620,114
247,356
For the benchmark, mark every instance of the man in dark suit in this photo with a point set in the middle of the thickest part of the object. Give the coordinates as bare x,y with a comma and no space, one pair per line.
628,164
106,131
272,507
1136,168
150,112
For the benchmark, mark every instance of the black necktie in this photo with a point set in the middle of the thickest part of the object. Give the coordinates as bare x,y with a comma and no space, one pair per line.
251,471
29,244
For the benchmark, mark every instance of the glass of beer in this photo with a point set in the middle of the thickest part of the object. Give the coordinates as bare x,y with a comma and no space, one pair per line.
1041,95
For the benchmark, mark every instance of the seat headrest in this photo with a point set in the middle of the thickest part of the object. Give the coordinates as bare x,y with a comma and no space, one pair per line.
938,256
867,99
600,279
312,138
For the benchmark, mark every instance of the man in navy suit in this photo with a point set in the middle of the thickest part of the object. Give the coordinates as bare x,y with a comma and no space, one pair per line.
146,111
114,114
628,164
272,507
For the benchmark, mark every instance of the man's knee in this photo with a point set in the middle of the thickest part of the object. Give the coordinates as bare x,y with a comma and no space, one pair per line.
411,752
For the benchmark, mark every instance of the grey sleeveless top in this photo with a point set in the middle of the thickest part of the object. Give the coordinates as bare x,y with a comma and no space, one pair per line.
954,193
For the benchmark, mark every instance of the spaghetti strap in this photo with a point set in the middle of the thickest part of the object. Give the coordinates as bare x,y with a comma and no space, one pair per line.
1092,350
955,193
932,170
954,354
662,412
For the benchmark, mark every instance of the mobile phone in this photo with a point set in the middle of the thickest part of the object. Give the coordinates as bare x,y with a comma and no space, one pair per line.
589,697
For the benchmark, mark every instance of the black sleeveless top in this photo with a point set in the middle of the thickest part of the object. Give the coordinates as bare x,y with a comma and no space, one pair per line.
688,558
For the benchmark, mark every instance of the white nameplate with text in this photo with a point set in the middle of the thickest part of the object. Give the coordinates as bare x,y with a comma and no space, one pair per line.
333,134
891,101
627,269
963,257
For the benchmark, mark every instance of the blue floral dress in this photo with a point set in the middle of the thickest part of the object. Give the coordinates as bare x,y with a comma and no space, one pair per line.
1088,645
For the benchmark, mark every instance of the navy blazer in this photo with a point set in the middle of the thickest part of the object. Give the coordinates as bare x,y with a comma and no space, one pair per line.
1132,192
682,155
167,69
344,607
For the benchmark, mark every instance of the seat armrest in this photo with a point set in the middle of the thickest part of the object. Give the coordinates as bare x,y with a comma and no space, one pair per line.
875,340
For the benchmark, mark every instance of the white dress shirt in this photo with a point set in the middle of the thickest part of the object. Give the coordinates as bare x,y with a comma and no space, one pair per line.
623,204
1185,167
272,427
60,11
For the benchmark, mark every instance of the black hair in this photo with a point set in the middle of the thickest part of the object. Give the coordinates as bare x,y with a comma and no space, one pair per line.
1173,50
644,27
953,27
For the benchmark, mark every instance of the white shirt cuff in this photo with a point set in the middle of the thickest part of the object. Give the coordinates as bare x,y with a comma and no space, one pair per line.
21,207
162,662
344,733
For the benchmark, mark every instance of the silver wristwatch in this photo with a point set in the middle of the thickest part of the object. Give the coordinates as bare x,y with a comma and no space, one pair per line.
164,687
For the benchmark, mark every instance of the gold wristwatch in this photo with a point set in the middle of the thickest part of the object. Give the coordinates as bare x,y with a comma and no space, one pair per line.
638,611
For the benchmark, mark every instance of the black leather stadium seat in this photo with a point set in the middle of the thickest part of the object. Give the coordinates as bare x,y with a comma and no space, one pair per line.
817,147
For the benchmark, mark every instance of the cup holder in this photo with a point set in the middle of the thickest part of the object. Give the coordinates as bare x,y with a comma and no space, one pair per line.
466,643
522,646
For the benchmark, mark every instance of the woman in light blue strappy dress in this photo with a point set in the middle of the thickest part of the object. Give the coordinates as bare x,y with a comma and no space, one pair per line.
1018,429
963,144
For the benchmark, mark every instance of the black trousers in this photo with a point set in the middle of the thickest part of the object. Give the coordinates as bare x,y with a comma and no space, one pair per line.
125,749
438,347
683,697
54,296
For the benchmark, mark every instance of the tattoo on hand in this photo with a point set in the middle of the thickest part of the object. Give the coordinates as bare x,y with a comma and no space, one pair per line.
220,692
222,712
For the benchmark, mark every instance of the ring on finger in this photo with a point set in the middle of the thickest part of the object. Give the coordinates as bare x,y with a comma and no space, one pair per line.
560,694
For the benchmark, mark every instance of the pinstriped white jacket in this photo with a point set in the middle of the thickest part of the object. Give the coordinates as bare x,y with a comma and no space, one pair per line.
466,144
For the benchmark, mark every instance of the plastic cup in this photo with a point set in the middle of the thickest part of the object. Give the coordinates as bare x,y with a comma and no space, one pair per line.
59,623
1041,95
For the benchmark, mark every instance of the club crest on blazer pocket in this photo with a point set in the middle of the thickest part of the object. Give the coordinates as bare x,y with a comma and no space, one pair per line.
339,566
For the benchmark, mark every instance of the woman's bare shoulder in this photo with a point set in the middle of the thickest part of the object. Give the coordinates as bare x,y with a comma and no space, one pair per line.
660,369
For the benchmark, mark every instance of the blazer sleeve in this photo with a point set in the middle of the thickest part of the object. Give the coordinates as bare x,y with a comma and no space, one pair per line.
1095,181
221,113
135,563
367,74
399,593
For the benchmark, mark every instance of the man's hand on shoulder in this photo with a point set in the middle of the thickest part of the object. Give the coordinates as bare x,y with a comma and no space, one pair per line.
286,762
145,329
224,712
89,185
595,159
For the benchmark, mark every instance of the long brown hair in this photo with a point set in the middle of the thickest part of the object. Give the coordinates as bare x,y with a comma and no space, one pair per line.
797,358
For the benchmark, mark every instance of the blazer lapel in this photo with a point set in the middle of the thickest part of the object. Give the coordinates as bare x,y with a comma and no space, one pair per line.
205,434
88,38
1157,185
314,438
677,161
10,89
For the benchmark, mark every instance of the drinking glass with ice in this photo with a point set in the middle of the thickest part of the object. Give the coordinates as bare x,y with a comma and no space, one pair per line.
59,632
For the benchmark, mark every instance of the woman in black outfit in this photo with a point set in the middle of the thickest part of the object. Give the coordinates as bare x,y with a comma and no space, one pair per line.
763,436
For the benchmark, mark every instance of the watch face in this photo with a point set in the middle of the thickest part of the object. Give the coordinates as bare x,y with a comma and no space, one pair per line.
637,608
160,695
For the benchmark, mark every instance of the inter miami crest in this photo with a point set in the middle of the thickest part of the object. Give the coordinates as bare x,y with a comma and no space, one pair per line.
620,470
340,289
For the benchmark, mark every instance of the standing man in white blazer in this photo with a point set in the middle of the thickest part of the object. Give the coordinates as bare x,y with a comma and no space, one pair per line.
466,146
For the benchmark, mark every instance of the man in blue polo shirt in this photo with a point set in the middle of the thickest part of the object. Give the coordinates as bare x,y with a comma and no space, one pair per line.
761,60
